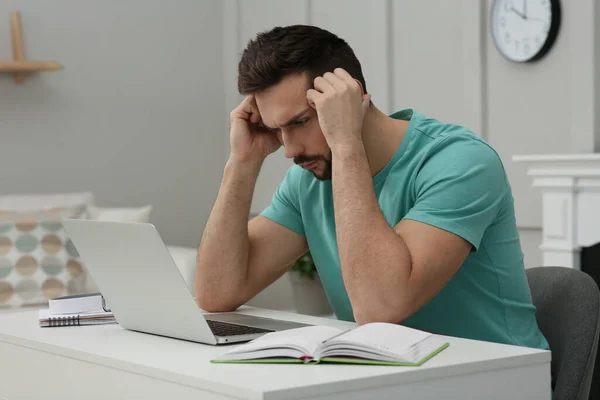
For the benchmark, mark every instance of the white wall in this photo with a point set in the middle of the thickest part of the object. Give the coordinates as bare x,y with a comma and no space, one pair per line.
136,114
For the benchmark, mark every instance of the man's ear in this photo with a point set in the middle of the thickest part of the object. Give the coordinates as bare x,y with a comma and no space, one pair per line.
362,89
366,100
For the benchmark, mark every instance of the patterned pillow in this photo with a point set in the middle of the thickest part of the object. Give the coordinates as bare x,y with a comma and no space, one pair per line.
37,259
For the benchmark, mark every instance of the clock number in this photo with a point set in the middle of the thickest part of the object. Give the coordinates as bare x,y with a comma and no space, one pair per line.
516,45
503,22
508,5
526,49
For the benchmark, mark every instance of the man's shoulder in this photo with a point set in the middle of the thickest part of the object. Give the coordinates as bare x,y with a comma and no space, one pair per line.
457,151
455,143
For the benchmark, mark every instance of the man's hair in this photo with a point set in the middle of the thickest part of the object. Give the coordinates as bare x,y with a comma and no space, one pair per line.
282,51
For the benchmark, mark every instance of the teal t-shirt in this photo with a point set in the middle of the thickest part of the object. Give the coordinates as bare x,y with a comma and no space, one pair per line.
446,176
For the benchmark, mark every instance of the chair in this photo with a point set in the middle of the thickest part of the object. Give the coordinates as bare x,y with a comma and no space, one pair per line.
568,314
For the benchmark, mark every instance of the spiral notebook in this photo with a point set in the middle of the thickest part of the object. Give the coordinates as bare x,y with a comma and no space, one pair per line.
46,319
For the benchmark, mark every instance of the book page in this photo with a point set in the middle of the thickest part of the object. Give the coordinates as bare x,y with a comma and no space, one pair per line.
279,353
386,337
305,339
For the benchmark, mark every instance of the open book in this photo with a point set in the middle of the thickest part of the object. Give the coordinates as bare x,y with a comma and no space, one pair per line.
375,343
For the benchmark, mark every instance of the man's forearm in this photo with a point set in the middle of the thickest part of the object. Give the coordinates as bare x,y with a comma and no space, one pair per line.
375,262
223,253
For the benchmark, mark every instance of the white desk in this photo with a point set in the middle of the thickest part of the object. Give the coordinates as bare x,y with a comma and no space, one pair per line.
109,362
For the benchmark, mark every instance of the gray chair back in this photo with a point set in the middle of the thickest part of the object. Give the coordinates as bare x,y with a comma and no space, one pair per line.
568,314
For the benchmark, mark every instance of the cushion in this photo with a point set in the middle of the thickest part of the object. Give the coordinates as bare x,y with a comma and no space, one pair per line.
37,260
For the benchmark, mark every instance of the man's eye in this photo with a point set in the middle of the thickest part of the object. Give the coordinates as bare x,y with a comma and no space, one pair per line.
301,121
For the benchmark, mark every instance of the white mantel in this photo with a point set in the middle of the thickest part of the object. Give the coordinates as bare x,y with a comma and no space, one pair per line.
570,186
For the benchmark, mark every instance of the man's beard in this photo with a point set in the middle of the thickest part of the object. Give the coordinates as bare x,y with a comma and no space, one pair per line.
327,171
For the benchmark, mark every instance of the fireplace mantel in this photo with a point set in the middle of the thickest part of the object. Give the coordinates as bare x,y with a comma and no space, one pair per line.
570,187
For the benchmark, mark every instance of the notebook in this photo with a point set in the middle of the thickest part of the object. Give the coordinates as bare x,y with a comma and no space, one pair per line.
90,302
376,343
47,319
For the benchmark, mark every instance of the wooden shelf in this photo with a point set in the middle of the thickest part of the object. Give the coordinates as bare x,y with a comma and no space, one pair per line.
28,66
18,65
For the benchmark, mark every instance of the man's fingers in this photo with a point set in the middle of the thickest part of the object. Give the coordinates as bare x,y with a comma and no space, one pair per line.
250,104
255,117
312,96
322,85
245,103
345,76
334,80
248,110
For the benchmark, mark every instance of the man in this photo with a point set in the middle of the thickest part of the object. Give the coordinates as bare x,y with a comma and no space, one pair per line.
409,220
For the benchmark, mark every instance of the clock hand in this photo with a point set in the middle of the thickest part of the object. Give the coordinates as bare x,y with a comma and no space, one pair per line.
537,19
525,8
517,12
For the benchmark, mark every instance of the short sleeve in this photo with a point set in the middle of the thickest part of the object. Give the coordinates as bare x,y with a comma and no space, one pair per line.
460,188
284,208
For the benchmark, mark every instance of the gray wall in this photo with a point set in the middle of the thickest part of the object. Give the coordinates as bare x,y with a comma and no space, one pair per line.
136,116
438,57
545,107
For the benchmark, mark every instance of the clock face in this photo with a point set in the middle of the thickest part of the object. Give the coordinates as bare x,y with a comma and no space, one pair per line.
524,30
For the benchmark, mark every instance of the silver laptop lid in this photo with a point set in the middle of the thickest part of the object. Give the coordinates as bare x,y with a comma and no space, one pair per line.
135,272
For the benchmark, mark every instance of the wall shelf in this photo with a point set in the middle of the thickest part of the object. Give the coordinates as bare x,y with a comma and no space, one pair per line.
18,65
28,66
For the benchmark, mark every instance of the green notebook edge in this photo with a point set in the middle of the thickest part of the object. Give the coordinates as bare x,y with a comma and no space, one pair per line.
337,360
341,360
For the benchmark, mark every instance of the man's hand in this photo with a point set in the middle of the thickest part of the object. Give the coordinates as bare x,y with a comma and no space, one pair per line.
340,106
250,141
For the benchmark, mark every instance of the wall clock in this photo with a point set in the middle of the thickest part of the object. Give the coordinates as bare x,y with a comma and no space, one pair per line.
524,30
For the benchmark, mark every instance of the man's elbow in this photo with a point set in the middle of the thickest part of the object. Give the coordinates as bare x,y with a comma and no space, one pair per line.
215,305
222,301
208,301
390,314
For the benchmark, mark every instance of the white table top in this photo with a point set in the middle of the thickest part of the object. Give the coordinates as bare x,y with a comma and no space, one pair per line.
188,363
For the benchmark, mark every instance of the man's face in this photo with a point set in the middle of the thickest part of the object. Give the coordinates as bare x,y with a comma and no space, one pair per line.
285,111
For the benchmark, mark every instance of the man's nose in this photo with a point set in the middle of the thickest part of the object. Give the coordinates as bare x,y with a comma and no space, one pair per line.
291,145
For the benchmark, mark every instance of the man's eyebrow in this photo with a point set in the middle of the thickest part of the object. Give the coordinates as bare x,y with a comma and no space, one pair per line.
291,120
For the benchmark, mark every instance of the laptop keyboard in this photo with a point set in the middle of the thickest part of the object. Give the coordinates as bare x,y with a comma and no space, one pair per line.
227,329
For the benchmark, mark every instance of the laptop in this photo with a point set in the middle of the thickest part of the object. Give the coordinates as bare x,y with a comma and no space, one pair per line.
145,290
